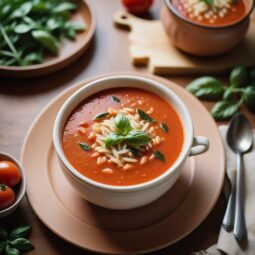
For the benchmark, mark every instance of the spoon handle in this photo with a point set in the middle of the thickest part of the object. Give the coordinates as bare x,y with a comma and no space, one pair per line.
228,220
240,231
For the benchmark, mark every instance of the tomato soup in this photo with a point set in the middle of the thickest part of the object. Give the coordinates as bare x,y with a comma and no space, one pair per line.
123,136
211,12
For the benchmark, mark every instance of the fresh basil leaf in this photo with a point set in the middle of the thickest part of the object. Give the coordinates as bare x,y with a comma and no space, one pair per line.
85,146
239,77
122,124
224,110
20,231
22,244
54,23
249,98
228,93
113,139
143,115
115,99
158,155
75,26
164,127
63,7
3,234
2,247
33,57
206,87
11,251
137,138
22,11
136,153
47,40
22,28
101,115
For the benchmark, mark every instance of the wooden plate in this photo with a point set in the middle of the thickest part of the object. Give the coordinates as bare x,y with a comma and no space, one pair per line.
69,51
148,228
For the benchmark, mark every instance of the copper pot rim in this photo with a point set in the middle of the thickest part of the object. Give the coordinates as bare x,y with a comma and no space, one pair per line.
173,10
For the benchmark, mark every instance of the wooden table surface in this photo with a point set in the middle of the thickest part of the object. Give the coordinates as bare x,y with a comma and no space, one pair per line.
22,100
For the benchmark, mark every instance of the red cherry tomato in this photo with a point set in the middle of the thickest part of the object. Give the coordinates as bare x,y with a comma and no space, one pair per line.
137,6
7,196
9,173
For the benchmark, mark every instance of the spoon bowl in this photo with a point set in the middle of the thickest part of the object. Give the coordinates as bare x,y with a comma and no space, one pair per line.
240,137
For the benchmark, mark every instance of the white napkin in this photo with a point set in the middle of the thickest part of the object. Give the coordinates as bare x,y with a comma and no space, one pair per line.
227,242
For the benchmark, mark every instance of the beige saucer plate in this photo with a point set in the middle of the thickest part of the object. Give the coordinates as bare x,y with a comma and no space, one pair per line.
69,50
135,231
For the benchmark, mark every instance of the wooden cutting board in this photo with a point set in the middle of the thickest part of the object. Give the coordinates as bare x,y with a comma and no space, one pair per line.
149,45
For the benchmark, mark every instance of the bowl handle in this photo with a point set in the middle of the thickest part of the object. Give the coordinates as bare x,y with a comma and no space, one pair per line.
199,146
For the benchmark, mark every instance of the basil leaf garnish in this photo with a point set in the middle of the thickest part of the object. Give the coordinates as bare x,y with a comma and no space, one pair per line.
136,153
22,244
143,115
20,232
115,99
224,110
164,127
239,77
206,87
122,124
85,146
137,138
11,251
158,155
113,139
101,115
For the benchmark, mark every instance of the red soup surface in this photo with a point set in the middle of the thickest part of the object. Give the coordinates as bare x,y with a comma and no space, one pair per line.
123,136
211,12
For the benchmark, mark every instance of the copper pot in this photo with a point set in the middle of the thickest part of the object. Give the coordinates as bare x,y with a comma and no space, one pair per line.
200,39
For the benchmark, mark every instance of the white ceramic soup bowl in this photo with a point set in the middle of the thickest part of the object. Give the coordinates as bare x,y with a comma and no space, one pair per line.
127,197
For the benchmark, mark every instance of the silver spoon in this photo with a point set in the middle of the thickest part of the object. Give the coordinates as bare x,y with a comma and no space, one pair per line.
240,140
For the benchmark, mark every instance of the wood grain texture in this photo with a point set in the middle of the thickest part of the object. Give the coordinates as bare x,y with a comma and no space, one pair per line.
22,100
149,45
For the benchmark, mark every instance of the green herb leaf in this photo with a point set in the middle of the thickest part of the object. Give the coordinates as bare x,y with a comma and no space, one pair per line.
206,87
85,146
228,94
164,127
22,28
143,115
209,2
11,251
3,234
137,138
20,231
23,10
115,99
249,98
158,155
63,7
122,124
113,139
224,110
47,40
136,153
101,115
239,77
22,244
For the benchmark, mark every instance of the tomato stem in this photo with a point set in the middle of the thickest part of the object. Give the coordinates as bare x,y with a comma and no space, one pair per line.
3,187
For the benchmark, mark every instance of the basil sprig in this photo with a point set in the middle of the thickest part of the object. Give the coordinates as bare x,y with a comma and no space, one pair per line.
240,91
85,146
15,242
124,133
122,124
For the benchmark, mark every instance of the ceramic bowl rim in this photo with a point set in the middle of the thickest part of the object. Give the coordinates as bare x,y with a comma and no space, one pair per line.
23,183
57,129
173,10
